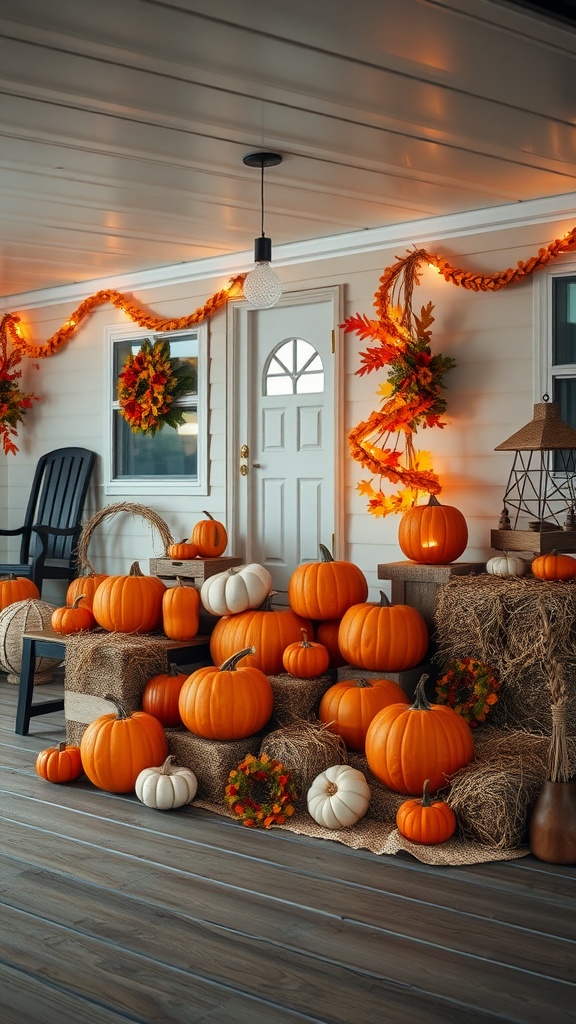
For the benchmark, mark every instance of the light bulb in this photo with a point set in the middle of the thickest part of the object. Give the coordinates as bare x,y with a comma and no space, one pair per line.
262,287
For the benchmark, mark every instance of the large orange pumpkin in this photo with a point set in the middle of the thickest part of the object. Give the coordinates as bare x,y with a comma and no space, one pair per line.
383,637
407,746
325,589
433,534
326,632
84,587
349,706
116,747
267,629
160,696
554,566
210,537
226,703
16,588
129,604
181,611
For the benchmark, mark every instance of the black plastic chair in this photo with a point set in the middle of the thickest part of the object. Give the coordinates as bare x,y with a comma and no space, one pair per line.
52,522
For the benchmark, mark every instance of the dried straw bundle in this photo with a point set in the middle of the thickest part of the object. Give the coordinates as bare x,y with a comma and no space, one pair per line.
305,749
108,513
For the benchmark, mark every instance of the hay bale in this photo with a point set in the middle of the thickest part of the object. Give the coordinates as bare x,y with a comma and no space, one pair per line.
305,749
210,760
497,620
296,699
384,803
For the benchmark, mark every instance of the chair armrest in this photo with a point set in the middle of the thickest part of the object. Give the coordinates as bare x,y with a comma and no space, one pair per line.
13,533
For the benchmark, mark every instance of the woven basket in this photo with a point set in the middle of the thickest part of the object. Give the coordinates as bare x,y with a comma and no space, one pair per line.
15,620
108,513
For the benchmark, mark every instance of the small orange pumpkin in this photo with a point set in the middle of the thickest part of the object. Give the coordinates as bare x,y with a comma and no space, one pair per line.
60,764
426,821
129,604
226,703
72,618
85,588
160,696
210,537
116,747
16,588
433,534
181,611
305,660
182,549
554,566
349,706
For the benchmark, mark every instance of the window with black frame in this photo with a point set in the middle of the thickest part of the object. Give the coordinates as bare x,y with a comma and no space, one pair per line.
563,368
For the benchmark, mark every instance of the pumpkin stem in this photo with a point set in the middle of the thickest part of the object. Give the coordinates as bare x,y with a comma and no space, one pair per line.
384,601
421,702
207,514
325,554
305,638
135,569
426,801
363,683
331,789
230,664
77,600
122,713
173,669
166,768
61,746
266,605
433,500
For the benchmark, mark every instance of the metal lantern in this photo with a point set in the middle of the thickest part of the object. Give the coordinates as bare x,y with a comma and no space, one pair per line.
540,496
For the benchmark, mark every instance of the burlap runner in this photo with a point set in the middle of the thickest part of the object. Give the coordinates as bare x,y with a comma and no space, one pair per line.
210,760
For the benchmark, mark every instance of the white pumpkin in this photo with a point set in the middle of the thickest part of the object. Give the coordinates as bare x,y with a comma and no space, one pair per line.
236,589
338,797
506,565
166,787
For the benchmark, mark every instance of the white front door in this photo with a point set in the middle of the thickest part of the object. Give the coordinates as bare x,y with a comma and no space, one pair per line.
284,417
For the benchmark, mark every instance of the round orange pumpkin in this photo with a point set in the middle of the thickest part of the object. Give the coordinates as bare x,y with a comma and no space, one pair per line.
349,706
305,660
115,748
226,703
161,694
181,611
325,589
326,632
16,588
267,629
406,746
554,566
182,549
72,618
60,764
85,588
129,604
210,537
426,821
383,637
433,534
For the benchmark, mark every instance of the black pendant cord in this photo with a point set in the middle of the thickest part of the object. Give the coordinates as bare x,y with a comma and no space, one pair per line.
262,197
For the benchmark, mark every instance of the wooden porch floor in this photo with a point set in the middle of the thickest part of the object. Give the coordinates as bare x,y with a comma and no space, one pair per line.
112,912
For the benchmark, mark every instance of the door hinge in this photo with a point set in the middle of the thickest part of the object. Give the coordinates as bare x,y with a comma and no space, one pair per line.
333,341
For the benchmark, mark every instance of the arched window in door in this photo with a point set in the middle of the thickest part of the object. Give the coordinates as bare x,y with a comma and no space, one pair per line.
294,368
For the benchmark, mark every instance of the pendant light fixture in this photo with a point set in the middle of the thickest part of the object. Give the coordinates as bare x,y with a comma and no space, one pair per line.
262,287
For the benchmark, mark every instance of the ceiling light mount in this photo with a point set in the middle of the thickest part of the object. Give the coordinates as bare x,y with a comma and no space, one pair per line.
262,287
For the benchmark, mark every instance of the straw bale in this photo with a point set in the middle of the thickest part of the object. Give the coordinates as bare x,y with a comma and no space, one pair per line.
498,620
305,749
297,699
210,760
384,803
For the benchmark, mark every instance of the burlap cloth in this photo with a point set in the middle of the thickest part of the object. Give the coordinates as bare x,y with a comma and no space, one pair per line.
297,699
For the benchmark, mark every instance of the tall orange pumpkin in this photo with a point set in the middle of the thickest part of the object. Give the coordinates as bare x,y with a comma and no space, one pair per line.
405,746
181,611
267,629
210,537
129,604
325,589
349,706
226,703
160,696
433,534
116,747
383,637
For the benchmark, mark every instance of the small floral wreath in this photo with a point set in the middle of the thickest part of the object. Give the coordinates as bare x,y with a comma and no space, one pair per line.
280,792
470,687
149,384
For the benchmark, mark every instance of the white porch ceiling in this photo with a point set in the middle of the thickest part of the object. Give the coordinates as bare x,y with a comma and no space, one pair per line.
123,124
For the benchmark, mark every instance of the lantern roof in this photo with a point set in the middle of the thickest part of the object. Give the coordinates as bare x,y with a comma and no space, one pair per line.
545,432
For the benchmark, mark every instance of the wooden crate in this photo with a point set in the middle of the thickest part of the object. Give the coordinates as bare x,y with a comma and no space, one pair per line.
418,585
197,569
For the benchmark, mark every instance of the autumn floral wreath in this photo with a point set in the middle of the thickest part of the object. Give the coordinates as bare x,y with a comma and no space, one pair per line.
280,792
470,687
149,385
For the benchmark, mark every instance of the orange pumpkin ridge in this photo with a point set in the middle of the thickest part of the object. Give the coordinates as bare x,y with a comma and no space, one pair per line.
325,589
349,706
267,629
226,703
433,534
116,747
424,821
383,637
129,604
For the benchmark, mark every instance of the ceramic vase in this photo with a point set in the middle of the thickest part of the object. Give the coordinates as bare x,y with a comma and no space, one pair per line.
552,827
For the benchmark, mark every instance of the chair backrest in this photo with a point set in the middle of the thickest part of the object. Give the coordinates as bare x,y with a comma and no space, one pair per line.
57,499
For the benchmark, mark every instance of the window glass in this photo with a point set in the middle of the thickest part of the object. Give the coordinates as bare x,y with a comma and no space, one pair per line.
294,368
564,320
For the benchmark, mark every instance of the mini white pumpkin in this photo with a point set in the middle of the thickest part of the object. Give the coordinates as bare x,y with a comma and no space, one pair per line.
166,787
338,797
236,589
506,565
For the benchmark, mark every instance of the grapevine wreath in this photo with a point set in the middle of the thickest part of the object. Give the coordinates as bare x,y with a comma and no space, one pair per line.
266,774
470,687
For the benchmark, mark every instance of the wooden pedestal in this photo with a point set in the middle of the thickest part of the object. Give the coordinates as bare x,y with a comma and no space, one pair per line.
533,542
197,569
418,585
